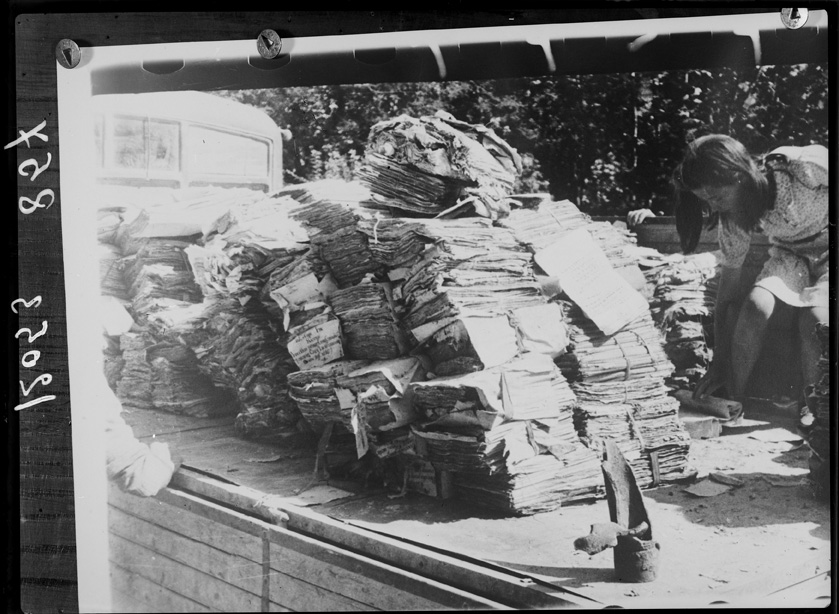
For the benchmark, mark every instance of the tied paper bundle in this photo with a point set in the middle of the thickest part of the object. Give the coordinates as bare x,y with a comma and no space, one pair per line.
243,352
431,164
635,351
364,398
648,433
553,470
665,443
368,322
243,246
330,215
508,435
475,273
540,226
683,302
159,276
296,287
467,290
818,400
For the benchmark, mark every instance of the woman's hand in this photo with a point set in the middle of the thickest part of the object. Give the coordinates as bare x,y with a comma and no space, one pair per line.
633,218
715,378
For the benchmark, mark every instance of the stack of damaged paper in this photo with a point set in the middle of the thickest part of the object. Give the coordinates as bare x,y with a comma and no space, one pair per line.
615,358
159,276
365,398
243,246
330,216
457,297
244,351
431,164
507,434
545,223
683,302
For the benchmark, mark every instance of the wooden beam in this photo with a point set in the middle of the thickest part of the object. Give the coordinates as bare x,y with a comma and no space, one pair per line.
513,589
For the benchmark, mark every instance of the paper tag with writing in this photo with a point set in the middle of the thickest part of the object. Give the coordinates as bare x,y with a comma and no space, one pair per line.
317,346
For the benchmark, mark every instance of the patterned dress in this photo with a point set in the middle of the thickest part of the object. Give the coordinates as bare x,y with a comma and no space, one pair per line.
796,271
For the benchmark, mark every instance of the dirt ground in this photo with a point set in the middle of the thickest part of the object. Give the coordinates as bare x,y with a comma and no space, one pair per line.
766,542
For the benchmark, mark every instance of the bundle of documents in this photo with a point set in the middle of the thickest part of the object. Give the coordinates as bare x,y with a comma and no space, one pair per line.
547,222
365,398
634,351
368,322
508,434
158,275
244,245
330,221
244,352
474,271
665,442
431,164
683,302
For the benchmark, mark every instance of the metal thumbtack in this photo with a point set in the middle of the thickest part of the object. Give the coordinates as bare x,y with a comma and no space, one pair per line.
269,44
67,53
794,18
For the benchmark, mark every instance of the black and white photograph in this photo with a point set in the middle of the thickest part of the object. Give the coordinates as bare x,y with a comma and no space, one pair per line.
523,310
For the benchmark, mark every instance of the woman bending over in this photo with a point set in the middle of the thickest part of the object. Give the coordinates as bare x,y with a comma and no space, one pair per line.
784,195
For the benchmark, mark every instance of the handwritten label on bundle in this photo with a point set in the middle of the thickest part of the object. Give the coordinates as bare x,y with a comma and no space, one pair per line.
587,277
317,345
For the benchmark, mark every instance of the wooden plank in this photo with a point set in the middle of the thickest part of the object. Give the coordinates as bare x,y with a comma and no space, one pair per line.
376,584
498,585
216,561
233,569
292,594
214,532
413,588
182,579
156,597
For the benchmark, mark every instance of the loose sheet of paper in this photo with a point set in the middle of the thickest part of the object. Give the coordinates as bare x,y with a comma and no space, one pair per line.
588,279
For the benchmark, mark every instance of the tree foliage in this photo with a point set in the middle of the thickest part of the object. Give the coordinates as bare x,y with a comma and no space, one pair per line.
607,142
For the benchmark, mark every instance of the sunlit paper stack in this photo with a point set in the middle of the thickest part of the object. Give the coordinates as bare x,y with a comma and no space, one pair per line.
544,224
477,274
683,302
664,440
330,215
243,246
369,326
430,164
508,434
244,352
363,397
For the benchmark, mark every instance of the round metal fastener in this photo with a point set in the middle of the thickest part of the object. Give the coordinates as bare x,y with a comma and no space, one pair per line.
269,44
794,18
67,53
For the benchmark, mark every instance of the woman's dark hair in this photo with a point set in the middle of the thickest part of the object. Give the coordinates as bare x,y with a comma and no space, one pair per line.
717,160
